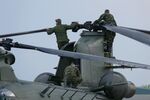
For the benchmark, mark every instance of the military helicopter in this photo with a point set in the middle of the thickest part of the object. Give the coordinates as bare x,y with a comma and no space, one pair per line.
100,82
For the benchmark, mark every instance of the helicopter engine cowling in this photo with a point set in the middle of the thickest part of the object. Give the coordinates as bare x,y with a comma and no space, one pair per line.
10,58
116,86
44,78
131,90
7,57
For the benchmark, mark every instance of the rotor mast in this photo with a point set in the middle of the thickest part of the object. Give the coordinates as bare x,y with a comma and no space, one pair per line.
91,71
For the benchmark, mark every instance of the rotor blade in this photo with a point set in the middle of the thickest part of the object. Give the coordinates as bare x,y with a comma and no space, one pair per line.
134,34
145,31
22,33
118,67
78,55
92,58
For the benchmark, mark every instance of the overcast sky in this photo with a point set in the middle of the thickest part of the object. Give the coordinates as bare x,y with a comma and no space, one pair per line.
26,15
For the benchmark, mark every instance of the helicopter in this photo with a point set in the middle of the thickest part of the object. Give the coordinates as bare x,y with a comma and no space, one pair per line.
100,82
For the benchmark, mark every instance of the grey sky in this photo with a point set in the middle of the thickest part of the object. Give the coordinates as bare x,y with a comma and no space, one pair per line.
25,15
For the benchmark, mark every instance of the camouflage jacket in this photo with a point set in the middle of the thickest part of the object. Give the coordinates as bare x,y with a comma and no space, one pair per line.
60,32
72,73
108,18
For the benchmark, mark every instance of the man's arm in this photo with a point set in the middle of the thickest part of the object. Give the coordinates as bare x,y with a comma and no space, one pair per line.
50,31
112,19
101,17
68,27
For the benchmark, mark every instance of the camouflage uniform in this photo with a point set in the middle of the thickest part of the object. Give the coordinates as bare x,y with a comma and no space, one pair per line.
72,76
60,31
108,19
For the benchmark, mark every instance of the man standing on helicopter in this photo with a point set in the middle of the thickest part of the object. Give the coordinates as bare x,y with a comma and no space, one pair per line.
60,31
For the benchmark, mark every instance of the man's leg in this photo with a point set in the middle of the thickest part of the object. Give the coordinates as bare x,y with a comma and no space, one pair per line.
61,44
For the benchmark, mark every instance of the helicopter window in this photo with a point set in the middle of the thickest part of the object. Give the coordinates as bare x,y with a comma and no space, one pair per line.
6,94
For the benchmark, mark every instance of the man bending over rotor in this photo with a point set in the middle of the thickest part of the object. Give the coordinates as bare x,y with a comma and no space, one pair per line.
107,19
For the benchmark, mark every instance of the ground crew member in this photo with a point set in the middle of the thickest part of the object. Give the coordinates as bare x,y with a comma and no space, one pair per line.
60,31
108,19
72,76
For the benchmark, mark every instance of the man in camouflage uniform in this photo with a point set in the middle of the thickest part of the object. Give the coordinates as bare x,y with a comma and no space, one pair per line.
108,19
72,76
60,31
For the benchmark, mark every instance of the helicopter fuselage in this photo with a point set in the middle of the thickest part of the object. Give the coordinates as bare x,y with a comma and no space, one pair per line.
23,90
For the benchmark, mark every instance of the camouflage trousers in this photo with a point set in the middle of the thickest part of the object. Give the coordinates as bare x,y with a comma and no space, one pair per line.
108,41
61,44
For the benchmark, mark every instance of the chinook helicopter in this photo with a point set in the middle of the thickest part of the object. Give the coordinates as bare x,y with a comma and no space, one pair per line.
100,82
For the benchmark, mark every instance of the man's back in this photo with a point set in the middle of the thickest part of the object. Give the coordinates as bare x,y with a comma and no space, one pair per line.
71,72
108,18
61,32
72,76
